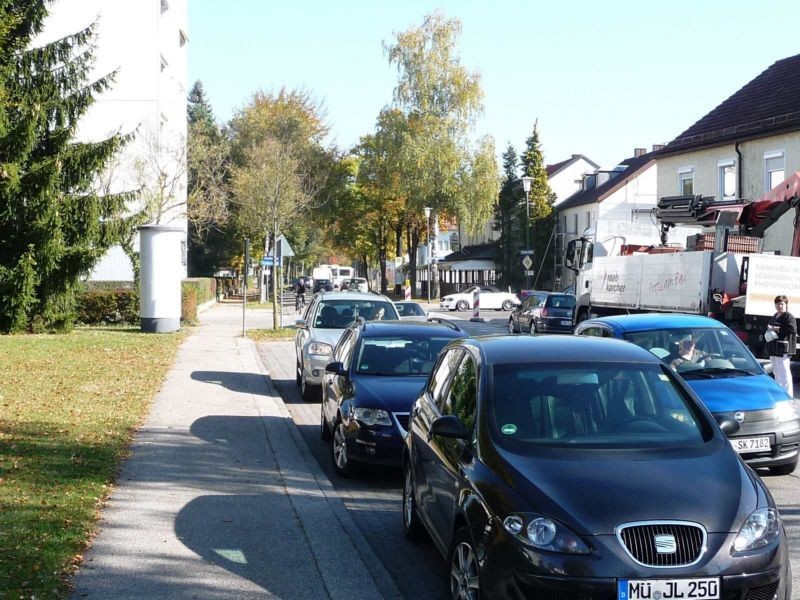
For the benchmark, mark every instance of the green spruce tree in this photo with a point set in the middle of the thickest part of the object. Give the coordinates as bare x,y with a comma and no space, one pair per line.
508,223
54,226
542,216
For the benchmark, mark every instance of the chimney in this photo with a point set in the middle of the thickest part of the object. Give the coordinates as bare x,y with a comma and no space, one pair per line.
637,152
657,147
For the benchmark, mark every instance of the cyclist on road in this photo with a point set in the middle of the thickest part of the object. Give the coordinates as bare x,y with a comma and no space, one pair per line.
300,300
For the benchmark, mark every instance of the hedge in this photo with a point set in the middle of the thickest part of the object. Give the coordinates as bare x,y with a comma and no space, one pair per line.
108,306
194,292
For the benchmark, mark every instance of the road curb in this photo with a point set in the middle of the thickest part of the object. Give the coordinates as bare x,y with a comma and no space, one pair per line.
383,580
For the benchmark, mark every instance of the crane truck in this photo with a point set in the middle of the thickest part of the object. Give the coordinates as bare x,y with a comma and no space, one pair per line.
719,273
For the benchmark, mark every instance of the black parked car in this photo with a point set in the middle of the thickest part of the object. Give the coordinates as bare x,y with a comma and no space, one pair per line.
583,468
543,312
323,285
377,373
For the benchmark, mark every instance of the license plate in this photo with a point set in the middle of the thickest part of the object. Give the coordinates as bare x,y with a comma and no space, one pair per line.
755,444
566,323
668,589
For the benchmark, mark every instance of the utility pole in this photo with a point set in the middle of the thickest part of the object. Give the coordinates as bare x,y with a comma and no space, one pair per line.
526,186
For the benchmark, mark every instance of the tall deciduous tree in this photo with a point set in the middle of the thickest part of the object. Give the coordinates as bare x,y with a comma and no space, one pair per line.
441,100
208,197
541,207
54,225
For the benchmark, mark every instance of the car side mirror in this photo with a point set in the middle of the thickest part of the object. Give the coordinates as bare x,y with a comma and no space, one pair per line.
449,426
727,424
301,324
336,368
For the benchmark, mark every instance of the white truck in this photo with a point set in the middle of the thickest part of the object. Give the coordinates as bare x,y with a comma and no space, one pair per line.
736,288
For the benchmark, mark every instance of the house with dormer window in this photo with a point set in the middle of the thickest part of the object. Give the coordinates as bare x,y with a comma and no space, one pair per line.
742,148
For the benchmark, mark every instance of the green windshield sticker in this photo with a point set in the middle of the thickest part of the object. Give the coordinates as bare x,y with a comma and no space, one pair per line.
509,429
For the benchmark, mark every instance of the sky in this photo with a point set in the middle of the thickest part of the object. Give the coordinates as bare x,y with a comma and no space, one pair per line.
601,78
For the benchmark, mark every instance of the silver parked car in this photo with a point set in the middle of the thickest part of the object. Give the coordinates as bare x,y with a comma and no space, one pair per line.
318,332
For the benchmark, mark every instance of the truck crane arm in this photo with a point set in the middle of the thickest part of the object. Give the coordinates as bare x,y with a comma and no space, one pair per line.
760,215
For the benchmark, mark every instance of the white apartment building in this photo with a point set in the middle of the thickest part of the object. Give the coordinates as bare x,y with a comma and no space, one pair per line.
145,42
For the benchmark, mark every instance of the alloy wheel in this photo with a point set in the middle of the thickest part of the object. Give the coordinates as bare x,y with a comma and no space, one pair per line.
464,581
340,457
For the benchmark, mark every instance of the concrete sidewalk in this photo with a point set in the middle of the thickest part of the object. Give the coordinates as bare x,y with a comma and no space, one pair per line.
220,497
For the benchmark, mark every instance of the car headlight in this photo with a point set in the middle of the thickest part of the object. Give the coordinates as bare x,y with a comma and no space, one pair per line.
320,348
544,534
759,530
786,410
372,416
446,299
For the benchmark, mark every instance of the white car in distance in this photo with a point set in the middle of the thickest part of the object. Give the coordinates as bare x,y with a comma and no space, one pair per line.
491,298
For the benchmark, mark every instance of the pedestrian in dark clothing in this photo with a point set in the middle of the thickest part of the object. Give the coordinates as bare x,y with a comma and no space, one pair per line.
782,339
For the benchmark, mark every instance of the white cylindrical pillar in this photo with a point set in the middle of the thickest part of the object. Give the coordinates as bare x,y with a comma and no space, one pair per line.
162,269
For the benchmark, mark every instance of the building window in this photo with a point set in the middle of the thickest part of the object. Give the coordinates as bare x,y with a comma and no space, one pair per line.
686,181
727,179
774,166
164,6
575,223
588,219
564,224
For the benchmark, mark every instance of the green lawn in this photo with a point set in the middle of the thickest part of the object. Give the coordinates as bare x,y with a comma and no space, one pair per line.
68,407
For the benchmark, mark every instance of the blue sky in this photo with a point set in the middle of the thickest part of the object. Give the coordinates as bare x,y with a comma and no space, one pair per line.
600,77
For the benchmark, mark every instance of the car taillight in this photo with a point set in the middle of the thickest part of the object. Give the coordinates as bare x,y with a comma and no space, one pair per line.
544,312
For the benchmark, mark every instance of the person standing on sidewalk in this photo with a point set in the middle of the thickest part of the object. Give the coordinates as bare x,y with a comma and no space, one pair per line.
783,343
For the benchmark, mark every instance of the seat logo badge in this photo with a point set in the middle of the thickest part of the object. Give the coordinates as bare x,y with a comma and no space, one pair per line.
739,416
665,544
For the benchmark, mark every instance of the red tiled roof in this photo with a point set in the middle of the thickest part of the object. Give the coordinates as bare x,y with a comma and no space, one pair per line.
769,103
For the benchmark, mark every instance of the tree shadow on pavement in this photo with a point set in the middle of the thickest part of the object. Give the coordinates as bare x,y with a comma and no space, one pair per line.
247,383
256,537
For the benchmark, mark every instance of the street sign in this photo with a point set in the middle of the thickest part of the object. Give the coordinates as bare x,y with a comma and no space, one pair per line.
526,252
527,262
530,273
268,261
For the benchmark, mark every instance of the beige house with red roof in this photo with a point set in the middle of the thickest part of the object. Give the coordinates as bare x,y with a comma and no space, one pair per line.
742,148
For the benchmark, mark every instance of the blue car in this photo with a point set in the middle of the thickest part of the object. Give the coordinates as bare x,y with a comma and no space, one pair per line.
378,370
724,374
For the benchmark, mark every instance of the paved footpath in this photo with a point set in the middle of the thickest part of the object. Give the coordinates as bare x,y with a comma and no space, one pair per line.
220,498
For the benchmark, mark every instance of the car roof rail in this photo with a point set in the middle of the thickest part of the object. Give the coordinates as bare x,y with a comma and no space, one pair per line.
446,322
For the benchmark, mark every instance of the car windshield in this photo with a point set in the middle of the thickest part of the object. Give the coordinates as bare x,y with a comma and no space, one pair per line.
598,405
338,314
410,310
399,356
699,352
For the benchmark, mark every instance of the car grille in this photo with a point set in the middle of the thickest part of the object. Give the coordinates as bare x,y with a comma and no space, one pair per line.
639,540
402,422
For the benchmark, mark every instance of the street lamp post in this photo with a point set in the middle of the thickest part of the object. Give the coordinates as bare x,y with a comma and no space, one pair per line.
526,186
427,210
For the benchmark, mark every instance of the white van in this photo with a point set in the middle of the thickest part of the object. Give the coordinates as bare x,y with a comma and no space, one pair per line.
338,274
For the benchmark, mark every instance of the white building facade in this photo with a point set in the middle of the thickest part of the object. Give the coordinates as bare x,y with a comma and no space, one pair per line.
145,42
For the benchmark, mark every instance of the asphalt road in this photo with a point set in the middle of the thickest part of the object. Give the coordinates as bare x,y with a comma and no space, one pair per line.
374,498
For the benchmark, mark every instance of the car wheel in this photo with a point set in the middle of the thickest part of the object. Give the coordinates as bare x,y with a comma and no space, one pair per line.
324,432
411,523
465,580
341,459
297,370
511,326
783,469
508,305
462,305
310,392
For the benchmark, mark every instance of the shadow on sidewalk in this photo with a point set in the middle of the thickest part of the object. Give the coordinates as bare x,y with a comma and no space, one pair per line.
251,383
256,537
